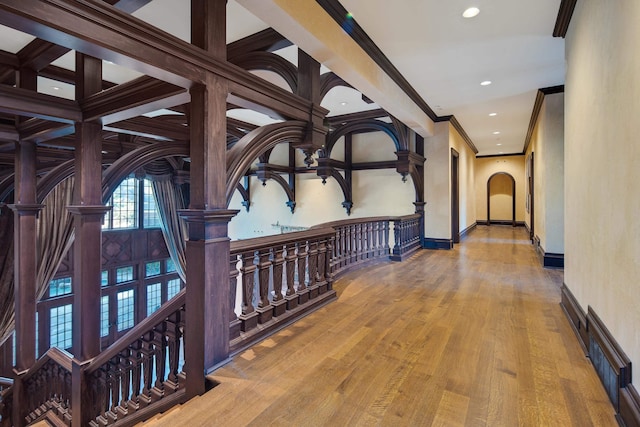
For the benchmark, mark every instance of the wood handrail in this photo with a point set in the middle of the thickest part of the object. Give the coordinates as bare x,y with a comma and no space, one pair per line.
239,246
6,382
352,221
60,357
140,329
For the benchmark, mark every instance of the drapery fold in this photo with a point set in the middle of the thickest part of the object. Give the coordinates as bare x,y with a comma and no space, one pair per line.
54,238
7,297
170,200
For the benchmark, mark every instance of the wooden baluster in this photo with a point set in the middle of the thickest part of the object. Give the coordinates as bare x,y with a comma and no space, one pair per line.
376,238
313,269
249,317
290,270
322,265
173,335
135,361
147,367
182,376
303,291
328,274
341,247
279,304
234,322
264,310
160,356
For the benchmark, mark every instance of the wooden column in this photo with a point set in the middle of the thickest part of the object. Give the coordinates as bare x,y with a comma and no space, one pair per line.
208,293
88,211
309,88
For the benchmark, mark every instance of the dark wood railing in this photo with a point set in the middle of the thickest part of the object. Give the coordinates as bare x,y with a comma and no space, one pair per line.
277,279
141,373
280,278
44,389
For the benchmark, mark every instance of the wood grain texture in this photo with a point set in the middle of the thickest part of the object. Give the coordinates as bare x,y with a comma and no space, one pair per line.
473,336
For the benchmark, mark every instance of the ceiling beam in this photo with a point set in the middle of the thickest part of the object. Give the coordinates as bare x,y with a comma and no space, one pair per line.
40,130
8,133
66,76
9,59
268,40
103,32
28,103
152,128
131,99
361,115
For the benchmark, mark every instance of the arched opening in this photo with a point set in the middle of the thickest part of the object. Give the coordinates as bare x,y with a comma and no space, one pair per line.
501,199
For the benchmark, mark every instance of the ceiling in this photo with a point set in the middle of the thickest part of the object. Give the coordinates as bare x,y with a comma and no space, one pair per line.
442,55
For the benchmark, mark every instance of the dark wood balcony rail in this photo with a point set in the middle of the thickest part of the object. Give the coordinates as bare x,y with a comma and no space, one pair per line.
280,278
407,232
6,400
45,387
141,374
362,240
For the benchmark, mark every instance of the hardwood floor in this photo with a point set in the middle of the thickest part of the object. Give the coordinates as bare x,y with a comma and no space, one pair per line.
474,336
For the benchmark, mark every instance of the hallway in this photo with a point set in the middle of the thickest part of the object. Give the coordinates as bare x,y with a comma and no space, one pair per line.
474,336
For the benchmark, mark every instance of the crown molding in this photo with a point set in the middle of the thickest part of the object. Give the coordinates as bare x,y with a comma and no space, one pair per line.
564,17
537,105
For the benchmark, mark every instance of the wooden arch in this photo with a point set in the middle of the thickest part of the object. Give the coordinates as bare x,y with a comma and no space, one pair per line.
241,156
135,159
268,61
330,80
359,126
513,197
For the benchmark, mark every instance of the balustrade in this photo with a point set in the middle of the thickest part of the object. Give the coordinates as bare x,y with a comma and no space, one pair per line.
279,279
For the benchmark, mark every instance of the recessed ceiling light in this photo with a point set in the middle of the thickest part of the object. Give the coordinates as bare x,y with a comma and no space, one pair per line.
498,143
485,83
343,103
55,88
471,12
497,132
493,114
501,152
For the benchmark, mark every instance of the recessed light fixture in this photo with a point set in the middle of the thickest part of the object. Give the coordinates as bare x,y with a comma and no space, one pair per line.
501,152
493,114
471,12
498,143
497,132
343,103
485,83
55,88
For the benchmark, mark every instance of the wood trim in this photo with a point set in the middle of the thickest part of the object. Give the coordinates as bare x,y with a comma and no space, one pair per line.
564,18
552,260
334,121
576,316
338,13
487,156
495,222
267,40
468,230
430,243
458,127
629,406
610,362
537,106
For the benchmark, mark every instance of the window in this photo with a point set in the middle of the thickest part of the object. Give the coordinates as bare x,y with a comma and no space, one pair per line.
124,201
154,298
104,281
104,315
132,205
125,310
173,287
124,274
171,267
60,286
61,328
150,215
152,268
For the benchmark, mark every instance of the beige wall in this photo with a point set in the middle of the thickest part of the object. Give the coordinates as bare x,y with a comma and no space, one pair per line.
487,166
466,178
501,197
547,144
602,173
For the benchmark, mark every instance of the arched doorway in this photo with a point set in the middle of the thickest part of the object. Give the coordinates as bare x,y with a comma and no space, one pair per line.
501,199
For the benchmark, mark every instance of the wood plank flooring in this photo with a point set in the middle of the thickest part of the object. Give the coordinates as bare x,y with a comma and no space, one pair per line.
474,336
